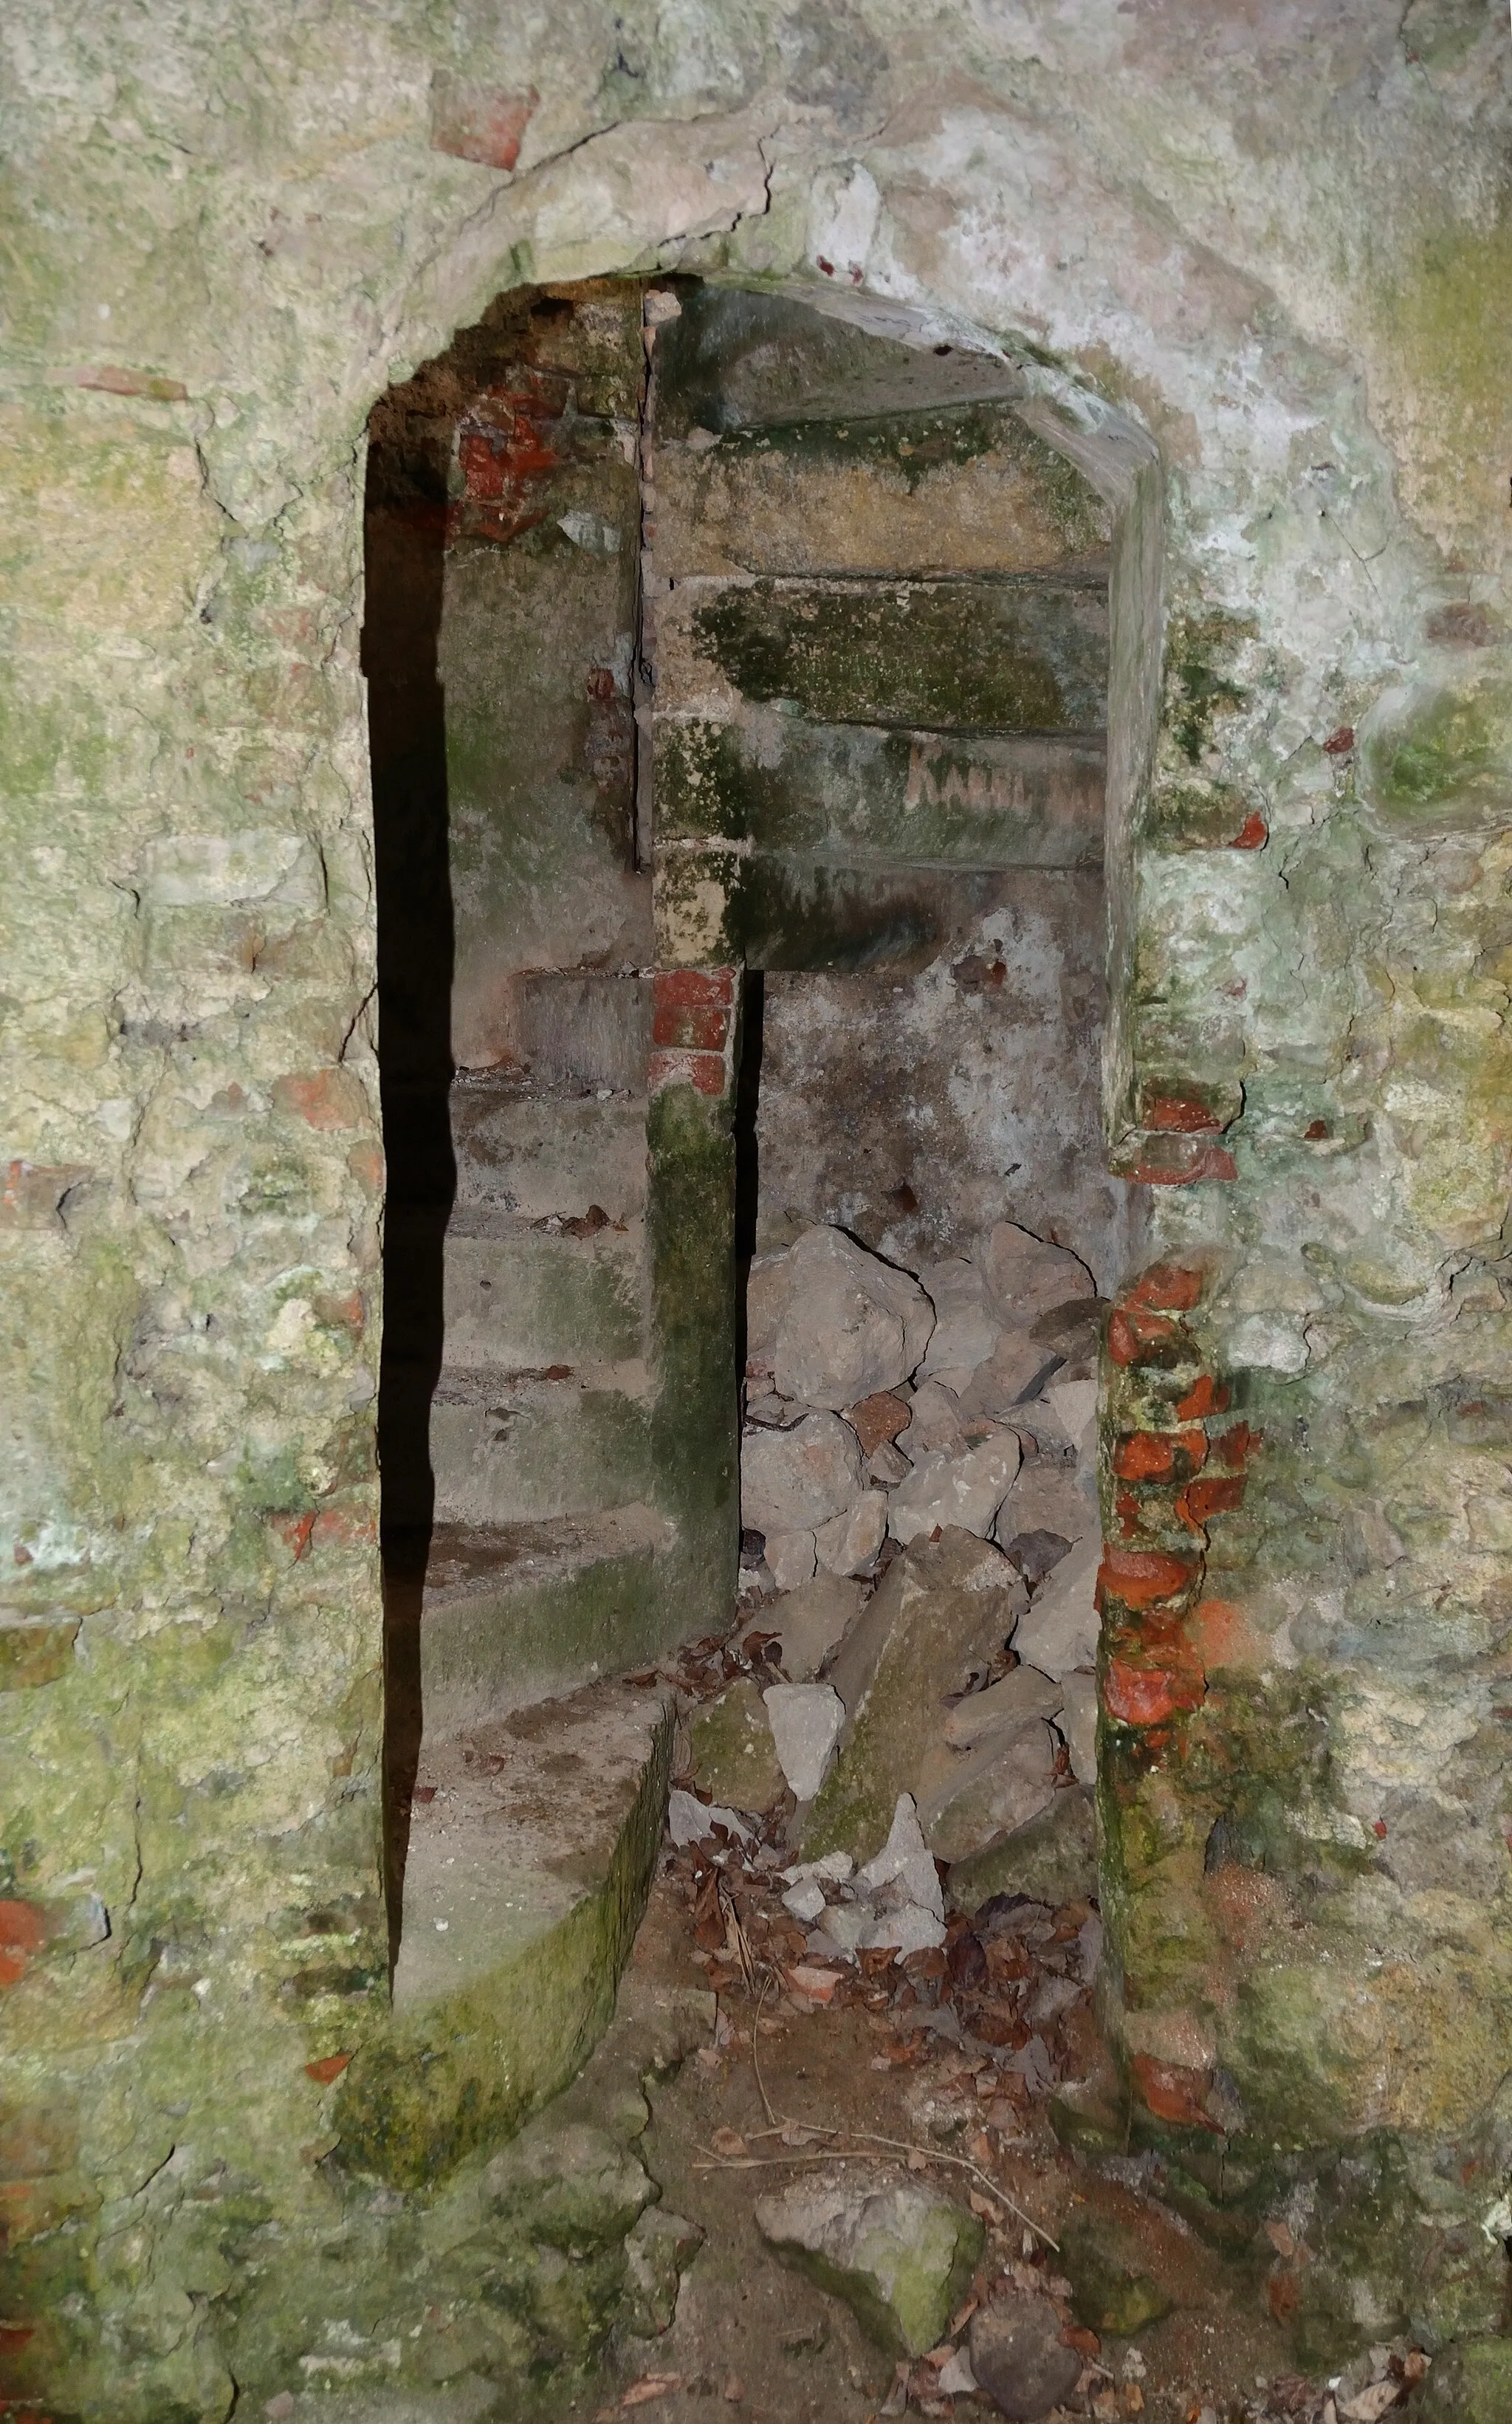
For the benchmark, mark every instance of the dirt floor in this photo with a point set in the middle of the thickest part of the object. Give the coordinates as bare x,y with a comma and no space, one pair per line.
922,2065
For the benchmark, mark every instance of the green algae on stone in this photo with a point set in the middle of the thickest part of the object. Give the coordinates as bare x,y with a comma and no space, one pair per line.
465,2071
734,1756
1437,757
963,655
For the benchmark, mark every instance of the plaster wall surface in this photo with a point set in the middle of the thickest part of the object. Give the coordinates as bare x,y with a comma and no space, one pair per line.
1266,242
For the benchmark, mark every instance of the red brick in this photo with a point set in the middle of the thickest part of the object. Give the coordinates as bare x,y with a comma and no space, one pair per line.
1173,2092
1187,1114
1165,1287
696,1027
1206,1397
1159,1456
1237,1446
1151,1695
1217,1495
1137,1337
1144,1577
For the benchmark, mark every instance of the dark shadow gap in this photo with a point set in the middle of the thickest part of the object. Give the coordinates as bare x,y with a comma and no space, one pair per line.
406,546
747,1148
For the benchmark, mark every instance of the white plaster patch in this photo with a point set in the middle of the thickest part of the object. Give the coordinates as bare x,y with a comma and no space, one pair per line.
843,222
1264,1345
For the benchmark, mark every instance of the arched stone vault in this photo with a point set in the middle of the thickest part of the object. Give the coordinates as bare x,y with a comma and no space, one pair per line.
1260,245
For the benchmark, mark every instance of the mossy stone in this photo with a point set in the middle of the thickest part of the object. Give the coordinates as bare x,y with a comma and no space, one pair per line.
734,1756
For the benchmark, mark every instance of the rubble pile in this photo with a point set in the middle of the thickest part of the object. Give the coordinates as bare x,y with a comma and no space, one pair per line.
921,1548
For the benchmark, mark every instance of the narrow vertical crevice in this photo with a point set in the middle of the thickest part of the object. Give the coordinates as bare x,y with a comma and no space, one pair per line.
405,552
747,1146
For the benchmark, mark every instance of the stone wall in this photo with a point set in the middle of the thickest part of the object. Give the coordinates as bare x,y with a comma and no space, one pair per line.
1257,245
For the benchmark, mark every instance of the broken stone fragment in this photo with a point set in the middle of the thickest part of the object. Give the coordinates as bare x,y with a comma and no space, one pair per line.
970,1801
812,1621
733,1758
906,1863
906,1928
964,1486
886,1466
1033,1553
658,2251
967,1326
852,1325
878,1419
849,1543
1074,1403
1078,1723
692,1821
1024,1693
806,1721
1013,1376
792,1559
1019,2359
1025,1277
806,1900
934,1422
795,1481
900,2254
1052,1859
835,1868
943,1611
1060,1630
766,1302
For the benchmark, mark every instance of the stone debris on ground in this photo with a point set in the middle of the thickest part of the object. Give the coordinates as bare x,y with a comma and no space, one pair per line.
920,1504
898,2252
985,2041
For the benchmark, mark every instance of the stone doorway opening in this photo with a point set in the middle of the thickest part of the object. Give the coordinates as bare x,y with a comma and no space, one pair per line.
739,684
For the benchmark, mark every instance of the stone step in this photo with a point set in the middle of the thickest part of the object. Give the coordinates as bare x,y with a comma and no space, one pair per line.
525,1150
532,1838
574,1028
519,1297
490,1619
1021,653
515,1448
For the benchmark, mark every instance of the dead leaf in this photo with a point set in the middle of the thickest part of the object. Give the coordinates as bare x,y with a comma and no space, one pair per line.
728,2141
651,2385
917,2161
1370,2405
984,2209
1281,2238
